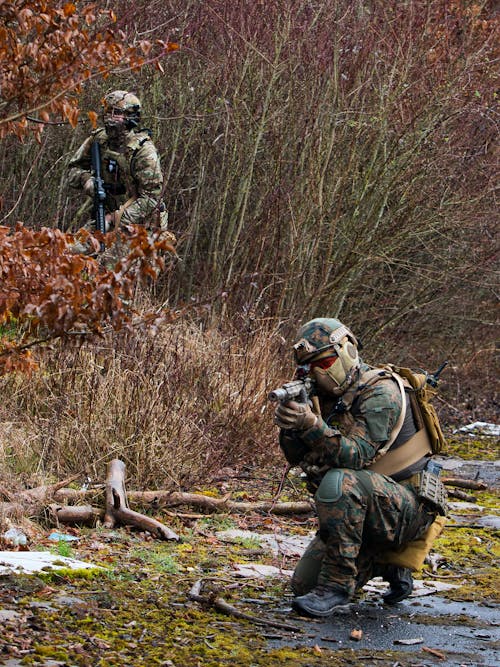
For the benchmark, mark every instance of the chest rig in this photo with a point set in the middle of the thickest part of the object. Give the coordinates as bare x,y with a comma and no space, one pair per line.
387,461
119,166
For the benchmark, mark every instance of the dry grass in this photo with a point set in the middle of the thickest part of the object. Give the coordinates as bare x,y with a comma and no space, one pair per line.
180,404
176,406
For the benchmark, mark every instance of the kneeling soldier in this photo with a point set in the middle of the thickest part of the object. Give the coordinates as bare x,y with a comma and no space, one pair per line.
363,455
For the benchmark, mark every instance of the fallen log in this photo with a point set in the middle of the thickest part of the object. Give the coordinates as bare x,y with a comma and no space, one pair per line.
73,496
164,498
476,485
117,510
175,498
40,494
461,495
84,515
30,502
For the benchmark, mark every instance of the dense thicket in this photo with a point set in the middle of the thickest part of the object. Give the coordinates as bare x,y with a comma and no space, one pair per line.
321,158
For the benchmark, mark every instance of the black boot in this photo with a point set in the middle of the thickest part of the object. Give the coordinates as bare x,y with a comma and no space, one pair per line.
401,584
321,601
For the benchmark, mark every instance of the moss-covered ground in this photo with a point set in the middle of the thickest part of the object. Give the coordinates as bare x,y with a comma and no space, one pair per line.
136,611
472,446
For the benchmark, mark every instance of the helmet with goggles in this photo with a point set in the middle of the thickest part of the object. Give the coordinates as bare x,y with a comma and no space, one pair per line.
122,104
330,351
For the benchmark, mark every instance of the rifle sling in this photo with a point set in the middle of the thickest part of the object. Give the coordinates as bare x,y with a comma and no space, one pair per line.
404,456
121,210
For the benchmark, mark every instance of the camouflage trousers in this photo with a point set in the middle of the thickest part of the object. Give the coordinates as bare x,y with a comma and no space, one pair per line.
360,514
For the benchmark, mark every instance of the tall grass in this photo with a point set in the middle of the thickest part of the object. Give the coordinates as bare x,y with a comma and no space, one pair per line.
176,407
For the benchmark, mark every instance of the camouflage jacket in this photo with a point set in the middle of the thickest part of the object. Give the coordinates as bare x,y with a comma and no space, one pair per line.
351,431
133,172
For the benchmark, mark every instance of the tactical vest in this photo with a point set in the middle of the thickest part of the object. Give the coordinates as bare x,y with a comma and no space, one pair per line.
387,461
118,167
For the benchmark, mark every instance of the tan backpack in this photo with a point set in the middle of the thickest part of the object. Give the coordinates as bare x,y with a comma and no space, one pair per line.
422,389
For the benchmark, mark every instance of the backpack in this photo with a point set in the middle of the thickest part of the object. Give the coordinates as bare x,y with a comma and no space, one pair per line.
422,389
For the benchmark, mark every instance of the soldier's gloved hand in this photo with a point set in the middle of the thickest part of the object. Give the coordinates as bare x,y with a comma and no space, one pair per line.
293,415
88,187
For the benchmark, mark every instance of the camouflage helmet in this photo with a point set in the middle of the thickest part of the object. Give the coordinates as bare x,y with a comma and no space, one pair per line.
329,350
122,101
320,335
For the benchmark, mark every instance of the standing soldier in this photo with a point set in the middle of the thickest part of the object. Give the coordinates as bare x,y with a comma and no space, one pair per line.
130,166
364,452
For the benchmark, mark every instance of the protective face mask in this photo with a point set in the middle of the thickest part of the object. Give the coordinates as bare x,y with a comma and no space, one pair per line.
335,379
115,129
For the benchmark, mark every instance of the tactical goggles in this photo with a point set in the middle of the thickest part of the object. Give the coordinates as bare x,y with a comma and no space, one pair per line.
324,363
303,370
114,111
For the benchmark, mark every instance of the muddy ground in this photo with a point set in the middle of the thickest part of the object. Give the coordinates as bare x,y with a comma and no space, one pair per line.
134,607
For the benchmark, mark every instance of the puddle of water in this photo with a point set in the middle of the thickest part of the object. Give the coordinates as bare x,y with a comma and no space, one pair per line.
384,627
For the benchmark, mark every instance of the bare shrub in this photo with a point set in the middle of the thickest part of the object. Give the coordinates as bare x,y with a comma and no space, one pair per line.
176,406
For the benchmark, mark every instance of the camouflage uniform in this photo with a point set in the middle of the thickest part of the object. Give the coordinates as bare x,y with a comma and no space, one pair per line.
133,171
360,512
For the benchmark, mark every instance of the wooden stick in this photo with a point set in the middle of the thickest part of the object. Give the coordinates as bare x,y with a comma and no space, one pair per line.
226,608
433,651
461,495
476,485
85,515
130,518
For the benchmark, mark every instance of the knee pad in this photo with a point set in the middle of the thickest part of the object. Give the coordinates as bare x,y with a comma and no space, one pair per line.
330,489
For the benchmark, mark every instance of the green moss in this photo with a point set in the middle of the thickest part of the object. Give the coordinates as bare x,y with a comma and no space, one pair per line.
69,574
471,557
217,522
51,652
472,447
156,557
141,600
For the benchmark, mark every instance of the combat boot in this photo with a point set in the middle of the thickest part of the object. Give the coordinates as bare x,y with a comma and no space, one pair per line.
401,584
321,601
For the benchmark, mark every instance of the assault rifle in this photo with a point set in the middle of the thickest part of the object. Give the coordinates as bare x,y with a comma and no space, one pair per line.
296,390
98,213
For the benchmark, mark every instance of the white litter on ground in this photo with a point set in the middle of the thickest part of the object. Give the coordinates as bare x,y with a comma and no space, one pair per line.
480,428
285,545
420,587
29,562
465,506
257,571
